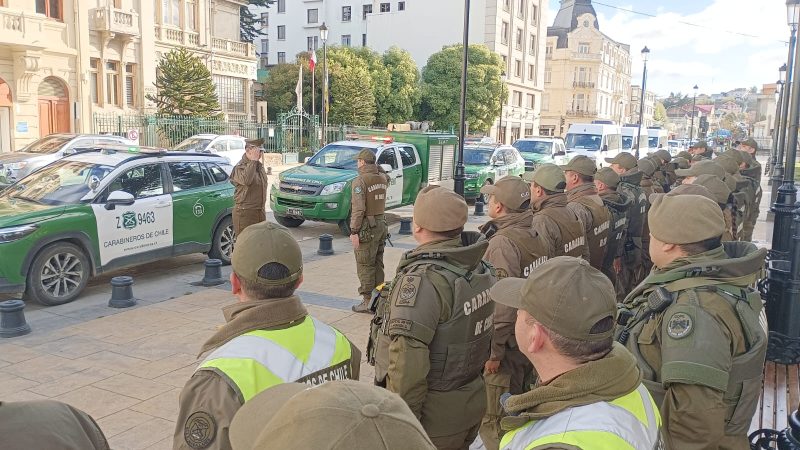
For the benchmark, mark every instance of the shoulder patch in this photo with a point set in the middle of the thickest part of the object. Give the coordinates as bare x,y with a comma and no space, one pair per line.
357,189
501,273
400,324
407,290
199,430
680,325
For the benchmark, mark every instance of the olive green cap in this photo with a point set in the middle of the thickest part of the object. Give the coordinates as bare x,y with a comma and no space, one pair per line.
366,155
700,217
566,295
750,142
439,209
510,191
727,163
254,142
548,176
664,155
736,155
262,244
680,162
647,166
624,159
748,159
702,167
717,187
337,415
699,144
607,176
582,165
684,154
692,189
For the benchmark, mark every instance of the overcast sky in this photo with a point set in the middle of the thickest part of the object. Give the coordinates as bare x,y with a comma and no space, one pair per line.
708,53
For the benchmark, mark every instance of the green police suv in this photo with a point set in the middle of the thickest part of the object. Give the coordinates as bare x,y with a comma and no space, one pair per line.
485,164
108,209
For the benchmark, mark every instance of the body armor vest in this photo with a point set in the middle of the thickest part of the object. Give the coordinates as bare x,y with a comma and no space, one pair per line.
376,193
573,238
638,209
617,230
597,236
530,254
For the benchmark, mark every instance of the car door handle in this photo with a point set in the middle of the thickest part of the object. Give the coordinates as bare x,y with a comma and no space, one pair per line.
399,175
163,204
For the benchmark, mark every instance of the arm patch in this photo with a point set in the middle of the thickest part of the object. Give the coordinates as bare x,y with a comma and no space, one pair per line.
408,290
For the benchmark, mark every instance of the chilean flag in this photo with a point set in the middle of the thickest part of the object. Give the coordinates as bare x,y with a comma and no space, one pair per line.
313,61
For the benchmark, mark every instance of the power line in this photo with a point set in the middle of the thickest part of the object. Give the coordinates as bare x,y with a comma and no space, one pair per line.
754,36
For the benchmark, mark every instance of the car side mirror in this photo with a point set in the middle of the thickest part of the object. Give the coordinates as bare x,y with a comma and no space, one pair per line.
386,168
119,198
605,147
94,181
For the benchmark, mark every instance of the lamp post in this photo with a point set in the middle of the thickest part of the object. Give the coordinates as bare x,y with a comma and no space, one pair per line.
645,55
501,136
780,122
777,172
323,35
459,176
694,103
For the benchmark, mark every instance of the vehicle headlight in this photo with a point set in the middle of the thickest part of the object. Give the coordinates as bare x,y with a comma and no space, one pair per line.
471,176
17,165
16,233
334,188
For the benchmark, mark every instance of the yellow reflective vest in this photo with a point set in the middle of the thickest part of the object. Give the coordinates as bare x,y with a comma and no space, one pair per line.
310,352
630,422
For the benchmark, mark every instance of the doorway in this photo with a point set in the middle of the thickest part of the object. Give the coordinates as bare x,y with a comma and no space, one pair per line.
53,107
5,116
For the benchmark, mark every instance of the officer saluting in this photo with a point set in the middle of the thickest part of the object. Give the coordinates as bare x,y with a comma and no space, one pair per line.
368,228
250,188
435,328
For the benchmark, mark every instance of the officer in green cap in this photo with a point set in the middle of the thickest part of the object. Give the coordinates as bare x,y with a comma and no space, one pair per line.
514,251
368,228
750,168
268,339
48,424
693,324
584,202
745,191
250,188
721,194
701,148
557,226
590,393
432,334
606,181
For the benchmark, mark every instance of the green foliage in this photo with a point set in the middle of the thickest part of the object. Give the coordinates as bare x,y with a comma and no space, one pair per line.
184,86
405,95
352,89
441,87
660,114
279,89
250,24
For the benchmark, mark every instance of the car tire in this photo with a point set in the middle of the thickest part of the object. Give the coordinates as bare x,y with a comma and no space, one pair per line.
289,222
482,197
222,243
58,274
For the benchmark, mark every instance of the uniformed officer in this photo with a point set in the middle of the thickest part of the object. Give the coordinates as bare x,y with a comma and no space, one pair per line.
584,202
703,167
684,154
678,162
745,189
701,148
268,339
648,167
606,182
48,424
341,415
557,226
436,324
590,393
721,194
750,168
662,175
368,227
250,188
693,324
514,250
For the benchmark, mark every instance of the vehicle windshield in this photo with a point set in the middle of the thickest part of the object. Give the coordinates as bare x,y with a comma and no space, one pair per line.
534,147
193,144
627,142
47,144
477,156
337,156
652,142
672,144
590,142
60,183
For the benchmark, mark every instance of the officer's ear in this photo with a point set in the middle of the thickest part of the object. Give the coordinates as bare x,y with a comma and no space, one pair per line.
299,281
236,285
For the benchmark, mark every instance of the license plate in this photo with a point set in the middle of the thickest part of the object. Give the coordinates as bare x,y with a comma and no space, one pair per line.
298,212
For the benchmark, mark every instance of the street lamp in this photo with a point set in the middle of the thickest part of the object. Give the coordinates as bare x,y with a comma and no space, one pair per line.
694,104
501,138
459,176
788,91
779,133
323,35
645,55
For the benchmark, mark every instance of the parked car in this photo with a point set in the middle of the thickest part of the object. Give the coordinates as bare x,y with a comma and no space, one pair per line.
98,211
478,140
485,164
226,145
674,147
41,152
540,150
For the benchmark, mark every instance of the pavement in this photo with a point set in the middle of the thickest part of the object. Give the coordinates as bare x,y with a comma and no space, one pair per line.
126,367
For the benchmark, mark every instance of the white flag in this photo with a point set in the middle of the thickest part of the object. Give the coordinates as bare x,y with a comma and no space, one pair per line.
299,90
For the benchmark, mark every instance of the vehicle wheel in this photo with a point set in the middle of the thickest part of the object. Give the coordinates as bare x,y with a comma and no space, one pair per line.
222,245
344,225
289,222
482,197
58,274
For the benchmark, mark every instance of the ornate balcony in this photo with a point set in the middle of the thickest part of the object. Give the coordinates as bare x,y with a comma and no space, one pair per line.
113,20
177,36
27,30
234,48
583,84
580,113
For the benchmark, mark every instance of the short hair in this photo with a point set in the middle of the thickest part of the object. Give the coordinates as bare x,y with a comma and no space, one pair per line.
582,351
450,234
269,271
561,185
585,178
695,248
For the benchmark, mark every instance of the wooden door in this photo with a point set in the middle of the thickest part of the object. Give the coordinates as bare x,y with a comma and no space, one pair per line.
45,118
60,115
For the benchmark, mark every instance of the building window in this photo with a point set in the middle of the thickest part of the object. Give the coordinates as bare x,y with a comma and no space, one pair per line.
367,10
516,98
50,8
521,9
281,57
230,92
364,40
507,5
312,15
401,6
345,40
530,101
518,68
191,21
579,102
264,61
112,83
386,7
264,19
94,81
312,43
532,46
170,12
347,13
545,102
281,6
548,75
130,85
504,33
583,48
264,46
531,71
281,32
519,39
534,15
548,51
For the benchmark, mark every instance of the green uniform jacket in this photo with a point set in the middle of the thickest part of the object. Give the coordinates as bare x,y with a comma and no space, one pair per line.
250,184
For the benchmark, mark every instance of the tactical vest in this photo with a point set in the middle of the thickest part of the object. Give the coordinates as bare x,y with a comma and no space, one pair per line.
738,206
630,422
597,236
375,195
616,233
638,209
310,352
573,237
530,254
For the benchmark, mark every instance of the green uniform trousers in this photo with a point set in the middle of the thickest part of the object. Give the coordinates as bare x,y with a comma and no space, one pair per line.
514,377
369,256
243,218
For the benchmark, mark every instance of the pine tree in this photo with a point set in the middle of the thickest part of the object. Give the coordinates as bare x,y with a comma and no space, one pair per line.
249,24
184,87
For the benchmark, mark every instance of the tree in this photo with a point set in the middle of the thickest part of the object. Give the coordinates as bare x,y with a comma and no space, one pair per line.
352,88
404,96
441,87
660,114
279,89
184,86
250,27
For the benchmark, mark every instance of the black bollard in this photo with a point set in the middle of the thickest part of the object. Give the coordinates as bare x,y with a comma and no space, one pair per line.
122,292
325,245
12,319
405,226
479,208
213,273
